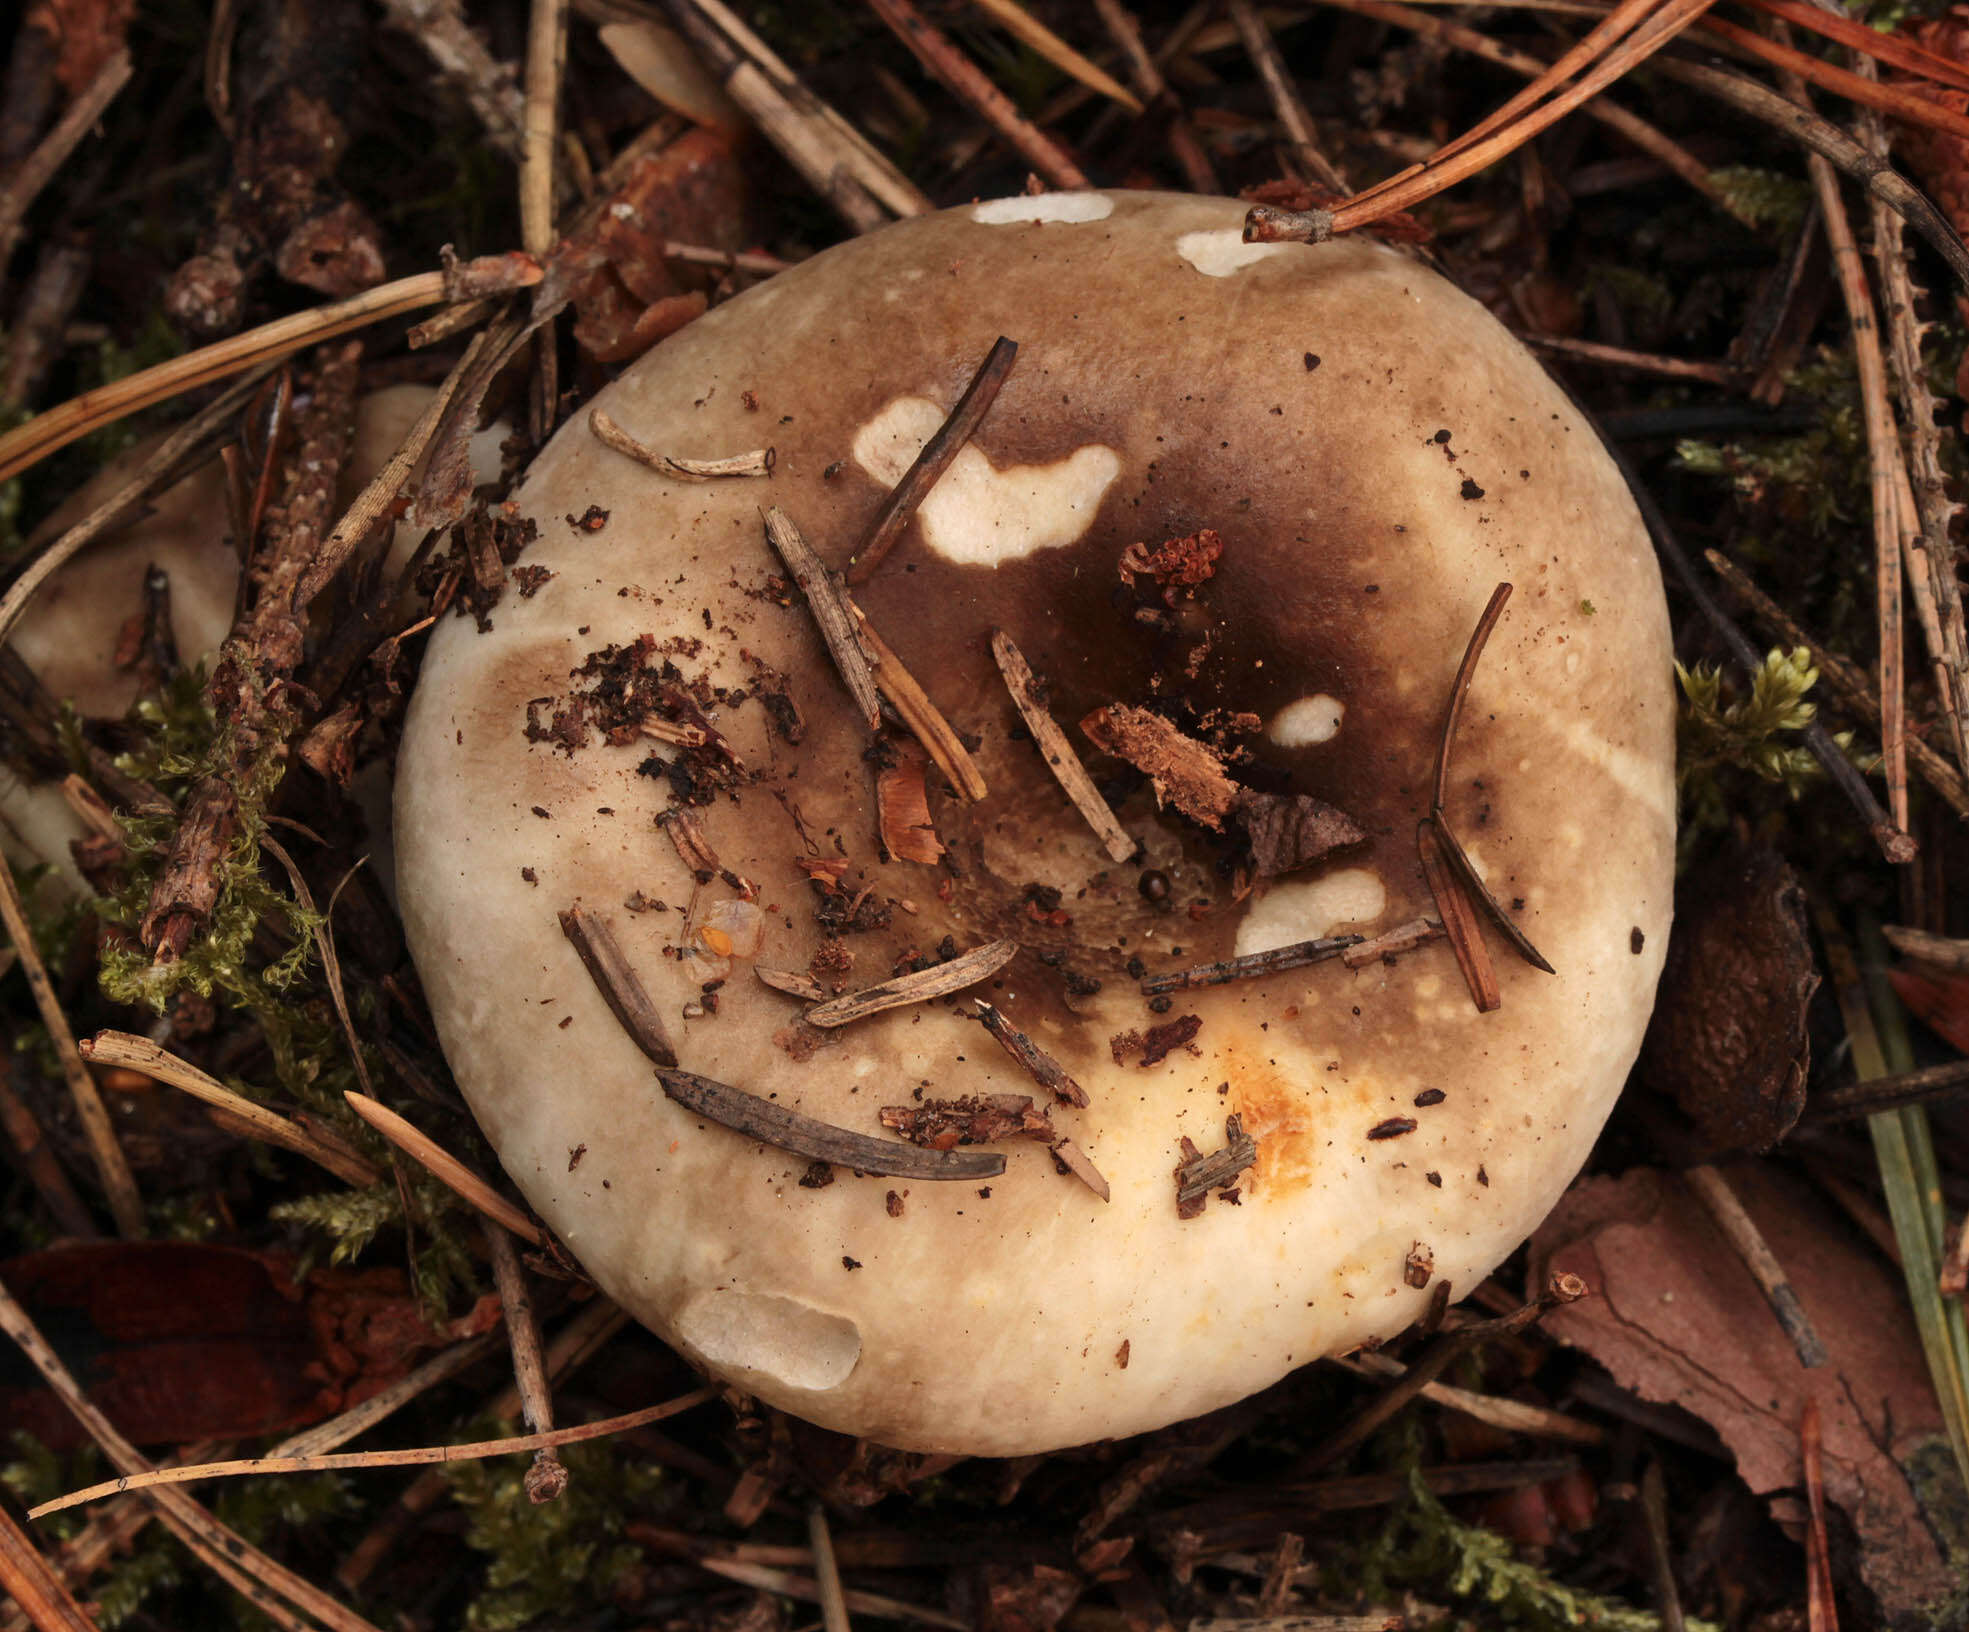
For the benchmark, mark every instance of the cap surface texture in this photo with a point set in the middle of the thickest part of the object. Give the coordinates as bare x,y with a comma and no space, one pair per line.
1375,455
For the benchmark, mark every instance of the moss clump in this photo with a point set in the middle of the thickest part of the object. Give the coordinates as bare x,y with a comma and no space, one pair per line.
1771,200
1723,733
557,1558
1425,1547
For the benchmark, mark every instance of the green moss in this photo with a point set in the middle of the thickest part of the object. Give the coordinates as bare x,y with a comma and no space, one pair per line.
1724,734
1426,1548
1769,198
560,1557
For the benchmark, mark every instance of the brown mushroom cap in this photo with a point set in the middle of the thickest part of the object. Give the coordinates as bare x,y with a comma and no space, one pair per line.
1376,454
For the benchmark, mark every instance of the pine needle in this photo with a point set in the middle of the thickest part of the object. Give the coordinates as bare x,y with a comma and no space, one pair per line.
1905,1148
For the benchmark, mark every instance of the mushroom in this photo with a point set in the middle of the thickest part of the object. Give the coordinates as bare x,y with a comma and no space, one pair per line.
70,633
1373,454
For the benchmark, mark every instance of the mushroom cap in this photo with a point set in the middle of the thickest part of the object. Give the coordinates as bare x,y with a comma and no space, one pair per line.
1376,454
70,632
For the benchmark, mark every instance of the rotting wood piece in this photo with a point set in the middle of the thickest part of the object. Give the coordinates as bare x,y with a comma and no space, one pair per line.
1290,831
838,631
939,980
1054,748
1184,772
627,998
1251,965
1043,1068
973,1119
820,1141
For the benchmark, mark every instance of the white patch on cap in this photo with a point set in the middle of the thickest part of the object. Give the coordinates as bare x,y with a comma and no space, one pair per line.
976,515
1308,722
1222,250
1306,909
793,1343
1000,212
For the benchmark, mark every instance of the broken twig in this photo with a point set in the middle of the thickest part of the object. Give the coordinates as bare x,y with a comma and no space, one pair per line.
1250,965
828,605
1041,1066
933,461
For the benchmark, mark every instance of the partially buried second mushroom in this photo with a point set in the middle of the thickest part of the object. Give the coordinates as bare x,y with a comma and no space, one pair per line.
1239,508
75,636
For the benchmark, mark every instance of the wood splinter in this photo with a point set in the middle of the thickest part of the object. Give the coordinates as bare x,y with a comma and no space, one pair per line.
939,980
1058,753
933,461
1402,938
829,606
1250,965
756,462
1041,1066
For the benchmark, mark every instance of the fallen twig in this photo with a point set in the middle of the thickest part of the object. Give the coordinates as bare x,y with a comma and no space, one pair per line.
1844,679
546,1479
24,185
1286,102
1431,1364
934,459
1747,1241
1760,102
1250,965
